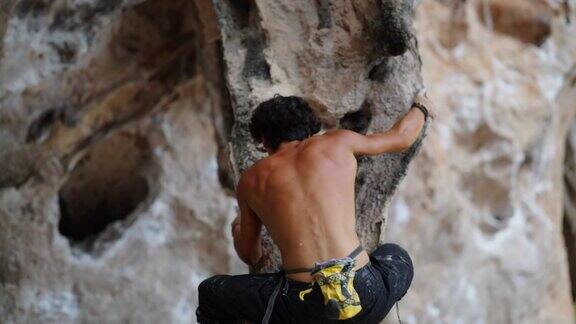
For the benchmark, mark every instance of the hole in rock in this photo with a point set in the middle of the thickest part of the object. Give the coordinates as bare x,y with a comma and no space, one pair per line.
359,120
484,136
105,187
324,14
240,10
160,37
527,21
492,197
381,71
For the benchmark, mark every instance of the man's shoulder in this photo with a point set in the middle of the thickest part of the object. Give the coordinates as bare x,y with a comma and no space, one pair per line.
251,174
335,136
340,133
248,174
334,140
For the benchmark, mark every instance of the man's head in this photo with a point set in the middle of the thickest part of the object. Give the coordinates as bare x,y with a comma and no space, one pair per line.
283,119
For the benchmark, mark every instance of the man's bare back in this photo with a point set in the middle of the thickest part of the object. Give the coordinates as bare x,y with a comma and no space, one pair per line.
303,192
304,195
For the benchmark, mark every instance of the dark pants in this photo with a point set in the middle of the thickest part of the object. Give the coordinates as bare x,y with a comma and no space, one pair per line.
380,283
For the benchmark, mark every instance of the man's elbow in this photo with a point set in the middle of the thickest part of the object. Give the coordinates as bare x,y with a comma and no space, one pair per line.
250,257
245,258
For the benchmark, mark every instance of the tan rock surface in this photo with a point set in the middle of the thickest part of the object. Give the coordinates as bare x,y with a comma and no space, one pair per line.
129,118
111,206
481,207
118,153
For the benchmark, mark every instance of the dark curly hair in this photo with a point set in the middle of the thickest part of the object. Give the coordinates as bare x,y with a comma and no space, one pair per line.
283,119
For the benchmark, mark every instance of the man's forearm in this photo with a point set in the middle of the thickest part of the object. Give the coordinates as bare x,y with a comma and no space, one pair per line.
248,254
237,243
411,125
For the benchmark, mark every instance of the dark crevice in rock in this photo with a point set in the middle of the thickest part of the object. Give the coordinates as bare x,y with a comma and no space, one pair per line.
359,120
225,112
246,36
380,72
324,14
242,17
567,11
387,26
42,124
255,64
226,170
157,36
31,7
569,232
66,51
241,11
210,64
569,221
106,186
396,33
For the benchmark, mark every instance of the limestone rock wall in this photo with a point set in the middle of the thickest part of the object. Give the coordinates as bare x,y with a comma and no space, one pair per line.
112,203
482,206
123,132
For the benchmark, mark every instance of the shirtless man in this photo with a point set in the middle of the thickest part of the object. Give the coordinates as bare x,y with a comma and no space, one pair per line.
303,192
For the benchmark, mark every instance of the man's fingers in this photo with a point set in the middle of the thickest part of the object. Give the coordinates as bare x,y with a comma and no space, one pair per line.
422,98
422,93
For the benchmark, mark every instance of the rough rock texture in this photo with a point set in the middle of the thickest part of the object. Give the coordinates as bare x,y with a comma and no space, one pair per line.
123,131
111,204
481,209
123,128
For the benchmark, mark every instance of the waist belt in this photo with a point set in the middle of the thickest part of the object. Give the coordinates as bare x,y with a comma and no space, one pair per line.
336,281
352,255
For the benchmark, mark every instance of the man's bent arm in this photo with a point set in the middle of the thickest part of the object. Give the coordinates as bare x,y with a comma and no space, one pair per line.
397,139
247,241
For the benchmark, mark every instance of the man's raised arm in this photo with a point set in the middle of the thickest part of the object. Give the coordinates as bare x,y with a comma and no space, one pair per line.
397,139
